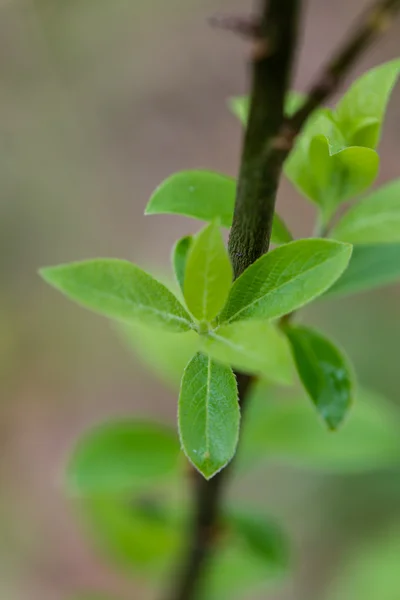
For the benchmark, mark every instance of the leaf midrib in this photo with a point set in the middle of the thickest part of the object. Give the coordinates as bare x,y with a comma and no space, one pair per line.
275,289
143,307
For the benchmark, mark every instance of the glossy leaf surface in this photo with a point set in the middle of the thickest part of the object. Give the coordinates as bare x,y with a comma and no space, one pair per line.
325,373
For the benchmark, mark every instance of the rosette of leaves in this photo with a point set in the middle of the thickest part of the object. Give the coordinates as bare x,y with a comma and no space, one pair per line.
208,327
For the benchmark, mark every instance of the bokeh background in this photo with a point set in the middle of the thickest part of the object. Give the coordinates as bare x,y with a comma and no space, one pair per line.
99,101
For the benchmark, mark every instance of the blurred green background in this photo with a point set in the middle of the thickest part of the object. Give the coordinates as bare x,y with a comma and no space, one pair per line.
100,100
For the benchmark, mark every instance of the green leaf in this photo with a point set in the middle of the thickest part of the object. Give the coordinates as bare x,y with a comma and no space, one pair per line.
179,258
119,456
234,572
372,566
262,536
207,196
325,373
208,275
208,415
239,105
373,220
119,290
256,347
285,279
308,178
361,110
342,175
164,353
135,534
280,232
371,266
284,429
201,195
326,171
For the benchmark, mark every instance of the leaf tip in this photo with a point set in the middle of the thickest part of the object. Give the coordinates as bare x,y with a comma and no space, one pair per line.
47,274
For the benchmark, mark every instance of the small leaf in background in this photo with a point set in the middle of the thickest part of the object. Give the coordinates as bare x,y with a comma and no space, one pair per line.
375,219
325,373
119,456
179,258
256,347
203,195
164,353
139,535
280,232
119,290
371,570
284,429
371,266
239,105
208,275
285,279
235,571
361,110
208,414
262,536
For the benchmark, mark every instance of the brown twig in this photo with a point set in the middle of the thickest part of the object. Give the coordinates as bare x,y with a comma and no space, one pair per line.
272,53
268,139
375,21
272,57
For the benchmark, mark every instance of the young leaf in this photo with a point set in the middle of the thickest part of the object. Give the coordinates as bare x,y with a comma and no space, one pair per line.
326,171
370,266
325,373
201,195
263,537
179,258
208,414
280,428
361,110
340,176
285,279
206,196
164,353
310,176
375,219
208,275
119,290
254,347
119,456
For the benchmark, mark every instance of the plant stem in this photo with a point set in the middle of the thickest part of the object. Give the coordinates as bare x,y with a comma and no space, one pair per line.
272,55
268,140
375,21
261,164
